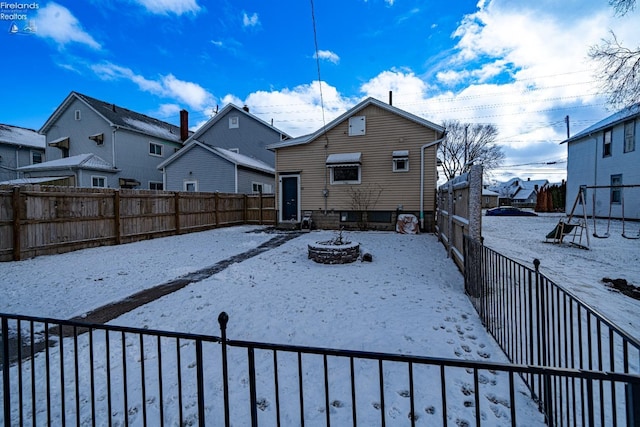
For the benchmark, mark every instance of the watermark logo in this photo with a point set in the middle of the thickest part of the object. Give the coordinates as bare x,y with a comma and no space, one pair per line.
19,16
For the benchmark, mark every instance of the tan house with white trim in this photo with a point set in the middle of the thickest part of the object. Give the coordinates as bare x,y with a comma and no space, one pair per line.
360,171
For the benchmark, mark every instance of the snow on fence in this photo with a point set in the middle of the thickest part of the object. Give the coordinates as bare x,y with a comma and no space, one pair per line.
39,220
76,373
459,212
536,322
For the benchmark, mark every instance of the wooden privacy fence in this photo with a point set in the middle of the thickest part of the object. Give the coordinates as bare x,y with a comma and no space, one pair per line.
459,212
37,220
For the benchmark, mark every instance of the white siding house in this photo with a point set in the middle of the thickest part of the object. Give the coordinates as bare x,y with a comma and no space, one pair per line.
605,160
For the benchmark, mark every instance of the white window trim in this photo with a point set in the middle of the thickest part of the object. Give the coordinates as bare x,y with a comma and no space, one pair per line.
33,152
195,185
400,155
155,144
98,177
334,182
234,122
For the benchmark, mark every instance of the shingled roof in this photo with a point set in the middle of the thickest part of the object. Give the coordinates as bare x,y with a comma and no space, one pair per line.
120,117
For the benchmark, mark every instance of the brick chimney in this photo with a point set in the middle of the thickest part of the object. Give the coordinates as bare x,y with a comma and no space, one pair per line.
184,125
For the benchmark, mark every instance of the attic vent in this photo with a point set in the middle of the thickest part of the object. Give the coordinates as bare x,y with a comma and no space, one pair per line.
77,115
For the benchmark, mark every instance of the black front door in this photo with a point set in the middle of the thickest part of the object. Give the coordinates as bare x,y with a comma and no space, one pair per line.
290,198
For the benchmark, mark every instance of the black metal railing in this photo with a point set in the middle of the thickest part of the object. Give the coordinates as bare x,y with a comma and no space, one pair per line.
537,322
69,373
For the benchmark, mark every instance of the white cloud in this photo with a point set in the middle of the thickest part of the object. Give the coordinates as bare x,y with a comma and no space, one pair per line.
404,85
327,55
168,110
58,23
164,7
192,94
250,21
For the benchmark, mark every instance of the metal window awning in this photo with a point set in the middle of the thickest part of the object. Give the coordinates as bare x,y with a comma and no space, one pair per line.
60,142
401,154
344,159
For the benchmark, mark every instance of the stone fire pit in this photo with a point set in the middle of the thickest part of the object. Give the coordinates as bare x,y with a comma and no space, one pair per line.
335,251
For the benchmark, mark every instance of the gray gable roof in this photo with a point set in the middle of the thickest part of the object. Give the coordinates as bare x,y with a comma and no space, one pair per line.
621,116
118,117
361,106
235,158
216,118
15,135
80,161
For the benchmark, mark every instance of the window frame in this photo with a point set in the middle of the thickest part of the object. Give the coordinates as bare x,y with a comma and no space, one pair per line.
36,153
335,181
234,122
398,157
154,153
607,143
77,115
98,177
616,189
630,137
357,126
185,185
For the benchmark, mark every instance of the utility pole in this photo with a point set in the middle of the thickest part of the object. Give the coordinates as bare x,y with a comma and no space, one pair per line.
566,120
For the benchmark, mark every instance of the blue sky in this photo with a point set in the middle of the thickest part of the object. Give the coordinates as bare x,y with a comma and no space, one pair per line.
518,65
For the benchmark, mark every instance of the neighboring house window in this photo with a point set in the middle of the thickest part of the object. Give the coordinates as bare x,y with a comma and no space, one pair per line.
357,125
606,143
616,192
36,157
234,122
629,136
77,115
191,186
155,149
153,185
256,187
259,187
99,182
401,161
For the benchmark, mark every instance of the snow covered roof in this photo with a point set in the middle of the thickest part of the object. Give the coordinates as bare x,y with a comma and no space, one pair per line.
233,157
622,115
487,192
81,161
344,159
119,116
516,185
40,180
361,106
21,136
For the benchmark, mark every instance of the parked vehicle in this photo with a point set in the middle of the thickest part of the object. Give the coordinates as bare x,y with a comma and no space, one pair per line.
509,211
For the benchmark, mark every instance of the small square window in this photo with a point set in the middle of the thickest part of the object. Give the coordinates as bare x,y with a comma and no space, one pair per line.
98,182
256,188
153,185
191,186
155,149
234,122
357,125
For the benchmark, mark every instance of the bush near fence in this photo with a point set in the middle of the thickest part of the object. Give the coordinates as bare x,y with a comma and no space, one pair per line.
41,220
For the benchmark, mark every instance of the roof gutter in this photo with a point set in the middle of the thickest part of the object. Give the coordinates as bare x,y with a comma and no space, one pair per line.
424,147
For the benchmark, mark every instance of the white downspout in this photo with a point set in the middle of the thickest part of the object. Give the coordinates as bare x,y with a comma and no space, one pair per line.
236,174
113,146
424,147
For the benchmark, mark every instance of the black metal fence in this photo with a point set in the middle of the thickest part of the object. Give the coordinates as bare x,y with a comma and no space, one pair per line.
536,322
68,373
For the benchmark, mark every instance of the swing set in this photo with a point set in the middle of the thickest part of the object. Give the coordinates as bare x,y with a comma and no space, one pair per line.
577,227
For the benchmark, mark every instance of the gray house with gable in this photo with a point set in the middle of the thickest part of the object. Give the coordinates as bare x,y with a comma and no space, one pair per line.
18,147
92,143
227,154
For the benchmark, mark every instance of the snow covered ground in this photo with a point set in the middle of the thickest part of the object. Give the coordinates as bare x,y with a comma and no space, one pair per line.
577,270
409,300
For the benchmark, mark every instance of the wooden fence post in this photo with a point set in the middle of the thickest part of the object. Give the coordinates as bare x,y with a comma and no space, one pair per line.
116,215
216,207
245,208
260,207
17,213
177,211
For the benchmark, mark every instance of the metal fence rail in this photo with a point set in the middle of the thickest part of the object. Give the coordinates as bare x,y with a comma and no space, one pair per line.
536,322
68,373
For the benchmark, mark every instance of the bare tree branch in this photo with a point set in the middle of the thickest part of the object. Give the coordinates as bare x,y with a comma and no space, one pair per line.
622,6
467,144
620,72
